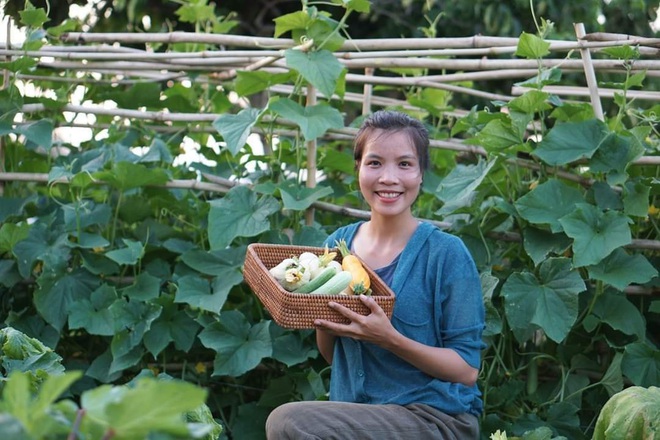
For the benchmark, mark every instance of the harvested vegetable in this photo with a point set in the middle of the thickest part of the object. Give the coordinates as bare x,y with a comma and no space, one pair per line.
295,277
335,285
360,282
279,271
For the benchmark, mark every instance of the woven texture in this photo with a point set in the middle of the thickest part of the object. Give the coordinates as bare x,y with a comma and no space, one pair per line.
299,310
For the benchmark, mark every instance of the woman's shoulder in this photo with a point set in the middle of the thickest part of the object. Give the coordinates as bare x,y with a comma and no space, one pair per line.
346,232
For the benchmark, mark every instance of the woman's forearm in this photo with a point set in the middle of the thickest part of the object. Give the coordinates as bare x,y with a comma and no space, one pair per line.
326,344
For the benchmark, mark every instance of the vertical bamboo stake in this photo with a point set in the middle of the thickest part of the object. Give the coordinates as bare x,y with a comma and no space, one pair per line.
5,84
368,90
311,158
590,73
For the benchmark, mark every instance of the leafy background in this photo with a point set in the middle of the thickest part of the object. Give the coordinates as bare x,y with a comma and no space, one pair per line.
121,263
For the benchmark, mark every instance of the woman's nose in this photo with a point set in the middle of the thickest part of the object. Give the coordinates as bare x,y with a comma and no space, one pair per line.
388,175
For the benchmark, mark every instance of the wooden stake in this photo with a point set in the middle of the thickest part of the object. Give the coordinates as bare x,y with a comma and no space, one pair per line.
590,74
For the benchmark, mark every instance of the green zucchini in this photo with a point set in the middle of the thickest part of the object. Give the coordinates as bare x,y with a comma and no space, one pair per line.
336,284
318,281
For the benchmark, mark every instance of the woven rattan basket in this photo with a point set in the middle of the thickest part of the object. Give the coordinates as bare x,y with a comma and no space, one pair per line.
298,310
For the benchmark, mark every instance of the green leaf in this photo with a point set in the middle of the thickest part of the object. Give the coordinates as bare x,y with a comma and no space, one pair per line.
614,309
620,269
173,325
546,77
595,233
549,302
313,120
143,94
145,288
56,295
10,234
497,135
251,82
42,244
532,101
19,352
641,364
161,406
239,346
298,197
290,348
94,314
570,141
613,156
33,17
126,175
292,21
221,263
20,64
319,68
532,47
197,291
636,198
456,190
130,255
39,133
362,6
613,378
539,244
624,52
239,214
235,129
548,202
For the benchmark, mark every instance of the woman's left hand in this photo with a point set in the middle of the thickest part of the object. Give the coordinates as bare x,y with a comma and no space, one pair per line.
374,327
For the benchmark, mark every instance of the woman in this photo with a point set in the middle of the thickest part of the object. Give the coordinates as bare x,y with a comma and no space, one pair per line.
413,377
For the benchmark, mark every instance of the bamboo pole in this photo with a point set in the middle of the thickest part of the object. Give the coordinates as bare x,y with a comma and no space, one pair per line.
582,91
225,185
311,158
590,74
368,92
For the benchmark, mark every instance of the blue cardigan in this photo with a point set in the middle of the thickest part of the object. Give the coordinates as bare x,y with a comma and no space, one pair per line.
438,303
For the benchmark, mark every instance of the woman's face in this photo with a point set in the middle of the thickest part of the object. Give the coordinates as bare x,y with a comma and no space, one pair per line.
389,173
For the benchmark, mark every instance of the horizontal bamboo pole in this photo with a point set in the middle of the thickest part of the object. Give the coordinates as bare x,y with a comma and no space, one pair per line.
582,91
222,186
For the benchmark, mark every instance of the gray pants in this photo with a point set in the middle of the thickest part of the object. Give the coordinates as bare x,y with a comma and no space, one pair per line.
322,420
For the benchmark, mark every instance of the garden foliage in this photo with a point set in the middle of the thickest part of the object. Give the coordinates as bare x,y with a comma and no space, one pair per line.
128,274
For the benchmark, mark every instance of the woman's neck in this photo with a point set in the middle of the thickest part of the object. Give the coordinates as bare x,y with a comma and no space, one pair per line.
380,240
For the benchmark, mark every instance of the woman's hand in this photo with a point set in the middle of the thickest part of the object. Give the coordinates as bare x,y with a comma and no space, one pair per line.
374,327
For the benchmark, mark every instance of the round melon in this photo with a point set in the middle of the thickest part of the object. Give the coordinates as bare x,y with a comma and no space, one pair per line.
631,414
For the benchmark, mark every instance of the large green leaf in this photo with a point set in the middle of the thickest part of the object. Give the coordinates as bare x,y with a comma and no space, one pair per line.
619,269
498,135
221,263
548,202
125,175
151,405
613,156
49,246
290,347
457,188
641,364
94,314
39,133
173,325
56,295
249,83
532,46
144,288
549,302
320,68
615,310
10,234
239,346
313,120
570,141
636,198
129,255
235,129
613,378
595,233
290,22
539,244
199,293
19,352
239,214
298,197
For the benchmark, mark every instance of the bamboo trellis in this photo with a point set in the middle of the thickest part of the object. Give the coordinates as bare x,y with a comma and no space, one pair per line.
86,58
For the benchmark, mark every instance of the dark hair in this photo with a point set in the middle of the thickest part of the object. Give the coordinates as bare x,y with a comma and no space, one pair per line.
393,121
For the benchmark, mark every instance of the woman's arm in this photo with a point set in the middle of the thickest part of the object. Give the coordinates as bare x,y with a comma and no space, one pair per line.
326,344
443,363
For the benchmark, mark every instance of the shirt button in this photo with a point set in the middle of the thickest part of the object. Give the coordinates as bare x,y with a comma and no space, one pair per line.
360,373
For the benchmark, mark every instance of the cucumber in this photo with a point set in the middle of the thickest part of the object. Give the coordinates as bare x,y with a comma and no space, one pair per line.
335,284
318,280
